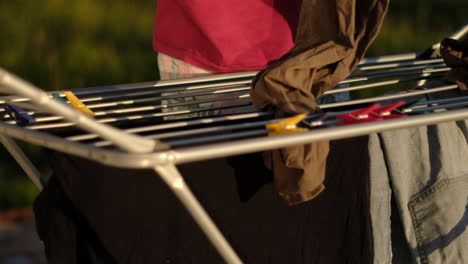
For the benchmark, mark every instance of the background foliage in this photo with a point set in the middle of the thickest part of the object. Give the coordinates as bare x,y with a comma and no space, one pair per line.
66,44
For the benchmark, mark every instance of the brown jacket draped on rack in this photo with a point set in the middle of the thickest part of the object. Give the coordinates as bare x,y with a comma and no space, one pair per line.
455,54
331,39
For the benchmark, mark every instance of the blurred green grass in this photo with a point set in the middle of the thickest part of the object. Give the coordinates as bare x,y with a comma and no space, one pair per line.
416,25
61,44
66,44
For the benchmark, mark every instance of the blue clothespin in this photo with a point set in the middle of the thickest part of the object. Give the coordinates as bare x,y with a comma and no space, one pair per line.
319,120
21,117
409,107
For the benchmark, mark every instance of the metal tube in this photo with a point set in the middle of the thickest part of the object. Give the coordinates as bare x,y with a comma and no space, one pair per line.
376,84
239,103
211,91
165,83
179,124
224,84
214,98
223,97
458,34
323,106
171,105
389,97
381,60
194,132
402,70
385,74
225,149
175,181
111,158
445,100
397,64
214,77
16,99
389,58
435,107
379,74
153,91
189,141
28,167
217,150
234,135
130,142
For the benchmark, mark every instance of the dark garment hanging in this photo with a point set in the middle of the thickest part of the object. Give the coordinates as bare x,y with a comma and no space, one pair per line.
131,216
332,38
68,236
455,54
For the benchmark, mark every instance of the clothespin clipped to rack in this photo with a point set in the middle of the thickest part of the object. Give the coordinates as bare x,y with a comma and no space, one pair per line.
320,120
360,116
408,107
21,117
59,98
375,112
289,125
385,112
77,104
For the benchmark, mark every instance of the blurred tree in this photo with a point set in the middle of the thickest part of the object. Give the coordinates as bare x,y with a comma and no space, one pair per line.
66,44
61,44
416,25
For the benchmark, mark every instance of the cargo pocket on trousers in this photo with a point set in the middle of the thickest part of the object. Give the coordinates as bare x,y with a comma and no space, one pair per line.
440,219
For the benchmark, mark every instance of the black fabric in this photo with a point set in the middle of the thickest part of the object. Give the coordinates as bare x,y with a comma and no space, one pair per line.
135,218
455,55
68,236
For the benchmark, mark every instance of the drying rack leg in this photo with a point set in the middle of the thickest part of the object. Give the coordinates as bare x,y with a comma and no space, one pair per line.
174,179
23,161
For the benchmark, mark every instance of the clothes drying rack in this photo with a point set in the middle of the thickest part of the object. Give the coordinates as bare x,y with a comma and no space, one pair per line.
158,125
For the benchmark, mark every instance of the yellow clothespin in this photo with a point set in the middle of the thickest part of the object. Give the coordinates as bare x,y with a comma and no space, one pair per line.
77,104
287,126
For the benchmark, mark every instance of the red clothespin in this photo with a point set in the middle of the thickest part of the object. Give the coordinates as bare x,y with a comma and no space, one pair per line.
385,112
360,116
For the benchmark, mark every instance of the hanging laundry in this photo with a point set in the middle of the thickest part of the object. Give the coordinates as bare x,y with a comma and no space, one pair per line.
419,192
455,54
82,218
332,37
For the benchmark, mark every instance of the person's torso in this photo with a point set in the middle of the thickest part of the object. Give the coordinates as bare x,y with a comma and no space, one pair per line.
226,35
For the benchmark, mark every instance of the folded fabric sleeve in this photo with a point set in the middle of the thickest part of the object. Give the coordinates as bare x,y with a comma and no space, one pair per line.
332,38
455,54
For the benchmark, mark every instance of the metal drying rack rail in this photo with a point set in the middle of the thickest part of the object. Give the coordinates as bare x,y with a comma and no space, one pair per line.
158,125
